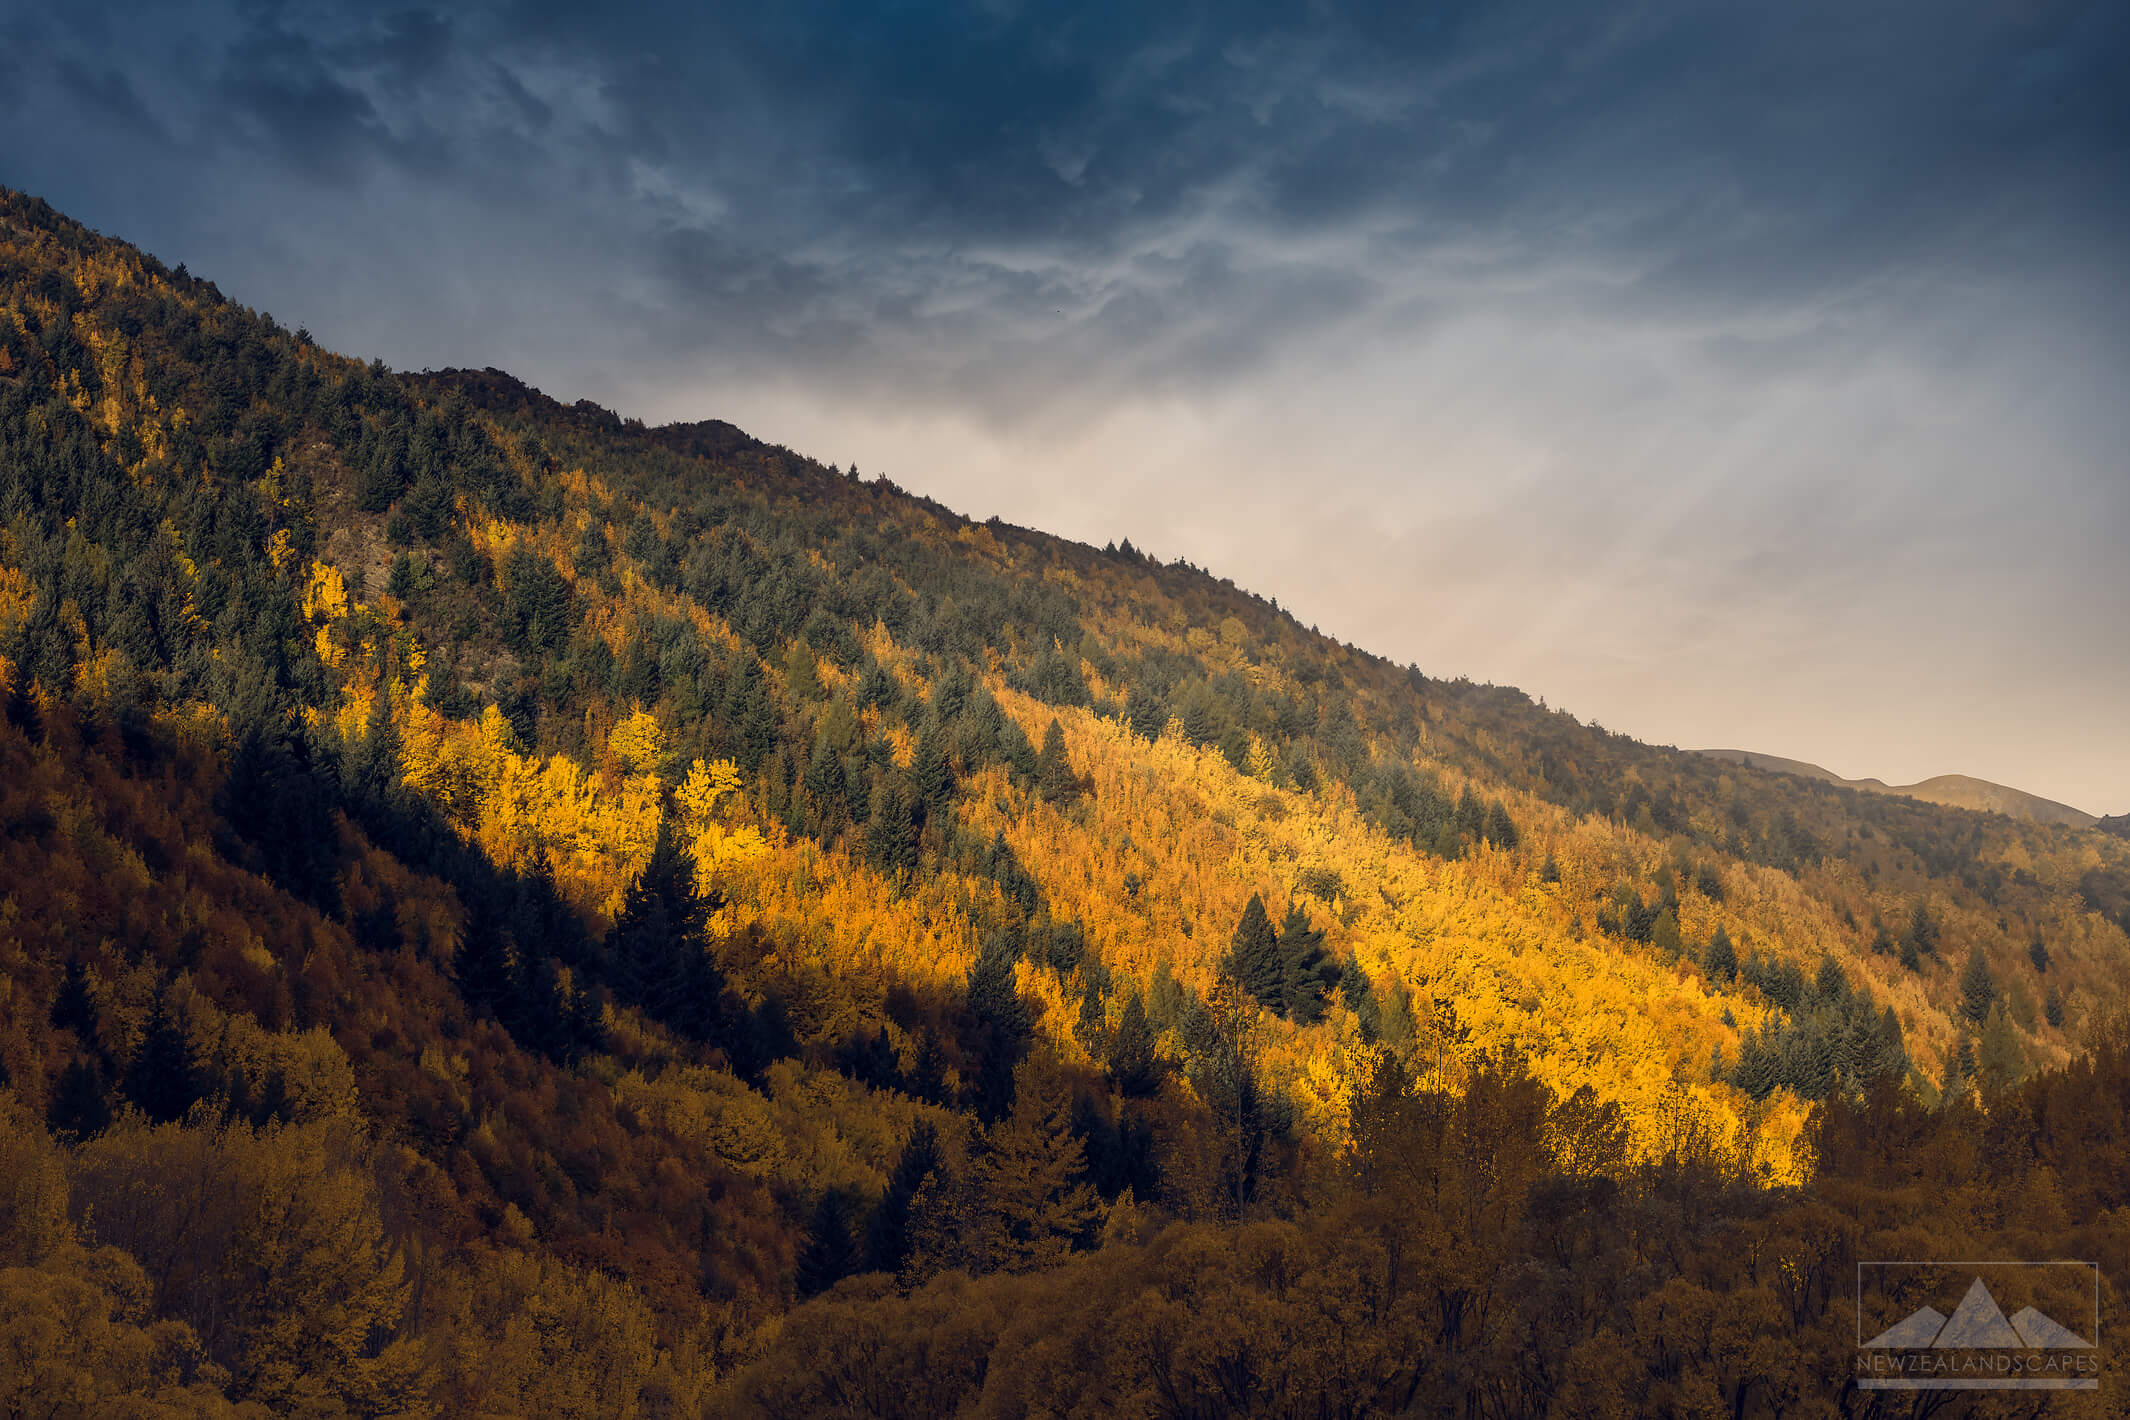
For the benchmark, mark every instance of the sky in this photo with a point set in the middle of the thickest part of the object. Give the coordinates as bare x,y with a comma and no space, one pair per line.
1733,376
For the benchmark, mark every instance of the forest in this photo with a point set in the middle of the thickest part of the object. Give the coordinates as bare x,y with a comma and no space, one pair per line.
509,911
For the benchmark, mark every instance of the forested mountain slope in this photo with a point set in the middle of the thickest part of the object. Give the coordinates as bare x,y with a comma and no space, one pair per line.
623,880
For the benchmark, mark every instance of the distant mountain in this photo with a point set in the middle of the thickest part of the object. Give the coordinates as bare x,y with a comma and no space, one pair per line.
1957,791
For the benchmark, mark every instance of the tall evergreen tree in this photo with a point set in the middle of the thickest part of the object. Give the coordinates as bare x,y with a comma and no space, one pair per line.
1134,1063
80,1106
1149,716
1721,958
1054,778
1471,816
482,966
162,1079
74,1006
2052,1007
1961,1068
831,1252
1002,1025
1978,989
2038,953
658,950
1254,960
1030,1176
1500,829
1307,973
887,1233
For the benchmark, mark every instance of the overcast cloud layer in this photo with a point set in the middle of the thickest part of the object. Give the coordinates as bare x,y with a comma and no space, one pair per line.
1731,375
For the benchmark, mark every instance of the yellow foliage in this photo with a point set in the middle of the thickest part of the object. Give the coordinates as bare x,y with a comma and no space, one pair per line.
638,743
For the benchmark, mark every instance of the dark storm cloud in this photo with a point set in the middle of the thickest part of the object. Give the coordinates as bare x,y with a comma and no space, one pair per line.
897,167
1623,351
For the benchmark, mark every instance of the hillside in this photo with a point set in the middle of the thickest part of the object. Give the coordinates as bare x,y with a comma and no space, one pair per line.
1956,791
624,881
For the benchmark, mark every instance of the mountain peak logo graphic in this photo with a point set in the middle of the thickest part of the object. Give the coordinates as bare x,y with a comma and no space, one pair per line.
1977,1323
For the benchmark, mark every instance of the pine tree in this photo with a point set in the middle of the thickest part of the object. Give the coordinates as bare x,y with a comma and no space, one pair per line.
1961,1069
1149,716
74,1007
1471,818
161,1079
2038,953
1134,1065
891,830
2000,1063
1002,1025
1922,930
887,1233
1036,1203
1977,987
932,773
831,1252
661,934
80,1105
482,966
1092,1027
1253,958
1054,778
1500,829
2052,1007
1307,973
1721,958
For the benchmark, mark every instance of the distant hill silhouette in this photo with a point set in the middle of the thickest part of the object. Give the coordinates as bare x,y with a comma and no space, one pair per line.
1958,791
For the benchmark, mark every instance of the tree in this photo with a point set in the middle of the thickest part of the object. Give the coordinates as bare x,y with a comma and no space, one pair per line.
1054,778
1961,1068
1037,1206
1922,930
932,773
2038,953
1978,989
887,1233
80,1107
1134,1063
1721,958
1149,716
1254,960
161,1079
2052,1007
1002,1025
1500,829
1471,817
1307,974
482,965
831,1252
73,1007
2000,1063
659,951
1664,933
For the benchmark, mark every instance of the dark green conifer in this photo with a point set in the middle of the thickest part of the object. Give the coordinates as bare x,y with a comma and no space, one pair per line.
1721,958
1054,778
1978,989
831,1252
1254,958
162,1079
1134,1064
